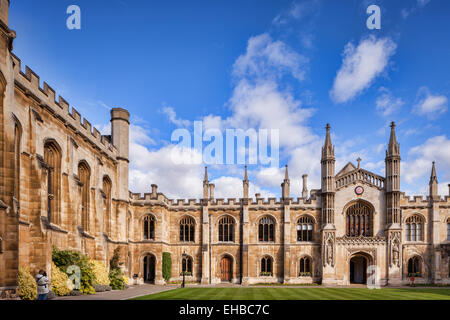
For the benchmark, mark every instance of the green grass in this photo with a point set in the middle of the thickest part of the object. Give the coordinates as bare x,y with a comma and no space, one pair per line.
300,294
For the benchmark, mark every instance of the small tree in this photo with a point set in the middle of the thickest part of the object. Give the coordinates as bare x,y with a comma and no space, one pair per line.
167,266
114,262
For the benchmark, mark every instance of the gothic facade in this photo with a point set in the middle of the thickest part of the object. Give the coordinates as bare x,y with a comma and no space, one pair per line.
64,184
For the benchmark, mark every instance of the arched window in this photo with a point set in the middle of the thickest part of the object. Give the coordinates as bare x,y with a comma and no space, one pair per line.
414,228
186,266
17,140
414,267
266,229
305,267
187,229
52,157
359,220
84,174
226,229
448,229
266,267
107,187
305,228
149,228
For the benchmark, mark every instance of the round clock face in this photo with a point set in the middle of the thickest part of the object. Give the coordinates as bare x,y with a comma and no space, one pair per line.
359,190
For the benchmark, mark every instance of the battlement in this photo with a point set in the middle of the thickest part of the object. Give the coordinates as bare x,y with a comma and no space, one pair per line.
422,200
29,83
159,198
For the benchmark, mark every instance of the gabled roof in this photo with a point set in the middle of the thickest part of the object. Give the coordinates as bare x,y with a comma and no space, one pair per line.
349,167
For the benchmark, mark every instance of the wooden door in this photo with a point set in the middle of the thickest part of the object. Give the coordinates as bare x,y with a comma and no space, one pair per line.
226,269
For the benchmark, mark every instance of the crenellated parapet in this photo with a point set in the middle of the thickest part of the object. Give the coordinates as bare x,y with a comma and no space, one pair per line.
28,83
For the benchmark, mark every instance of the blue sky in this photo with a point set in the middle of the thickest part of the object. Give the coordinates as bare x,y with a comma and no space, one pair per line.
288,65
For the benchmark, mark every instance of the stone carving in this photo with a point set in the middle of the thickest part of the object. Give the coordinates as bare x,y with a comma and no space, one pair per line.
394,244
328,249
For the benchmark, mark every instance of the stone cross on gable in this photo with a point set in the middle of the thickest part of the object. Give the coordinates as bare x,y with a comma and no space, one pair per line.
359,162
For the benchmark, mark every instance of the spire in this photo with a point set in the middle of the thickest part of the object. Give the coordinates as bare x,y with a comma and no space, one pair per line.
206,175
433,182
206,187
393,148
433,176
285,189
245,184
328,149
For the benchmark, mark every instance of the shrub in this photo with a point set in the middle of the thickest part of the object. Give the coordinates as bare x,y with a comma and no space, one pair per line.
66,258
114,262
61,285
27,284
116,279
167,266
126,280
100,272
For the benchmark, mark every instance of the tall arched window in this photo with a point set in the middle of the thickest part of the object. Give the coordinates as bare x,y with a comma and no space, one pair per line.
414,267
52,157
448,229
17,140
414,228
266,229
305,266
305,228
266,267
84,174
226,229
187,229
149,228
359,220
186,266
107,187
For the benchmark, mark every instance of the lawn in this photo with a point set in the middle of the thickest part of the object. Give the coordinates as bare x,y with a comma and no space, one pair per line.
300,294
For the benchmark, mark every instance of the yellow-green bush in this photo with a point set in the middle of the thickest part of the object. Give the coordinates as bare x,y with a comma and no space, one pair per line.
27,284
126,279
100,272
61,285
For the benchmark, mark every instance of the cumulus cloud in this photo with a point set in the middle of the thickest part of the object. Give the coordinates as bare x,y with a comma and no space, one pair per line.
266,58
420,158
172,116
360,66
387,104
430,105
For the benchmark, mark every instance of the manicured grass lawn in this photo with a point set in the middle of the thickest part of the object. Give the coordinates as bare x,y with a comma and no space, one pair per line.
300,294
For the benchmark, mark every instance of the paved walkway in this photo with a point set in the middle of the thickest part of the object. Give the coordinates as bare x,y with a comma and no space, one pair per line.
131,292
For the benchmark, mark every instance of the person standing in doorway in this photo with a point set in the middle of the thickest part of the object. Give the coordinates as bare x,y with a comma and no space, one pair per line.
42,285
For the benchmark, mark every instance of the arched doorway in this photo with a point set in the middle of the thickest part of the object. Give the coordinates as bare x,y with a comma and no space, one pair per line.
149,268
358,269
226,269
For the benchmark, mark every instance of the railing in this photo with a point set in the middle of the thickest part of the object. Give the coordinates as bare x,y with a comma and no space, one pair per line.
360,175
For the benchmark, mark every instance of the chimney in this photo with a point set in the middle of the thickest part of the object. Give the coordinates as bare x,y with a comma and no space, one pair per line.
154,191
305,186
211,191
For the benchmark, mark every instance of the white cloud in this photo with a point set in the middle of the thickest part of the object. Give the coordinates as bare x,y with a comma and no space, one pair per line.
172,115
421,157
430,105
360,66
266,58
422,3
232,187
388,104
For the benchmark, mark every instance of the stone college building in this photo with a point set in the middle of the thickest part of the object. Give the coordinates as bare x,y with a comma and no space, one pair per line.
64,184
